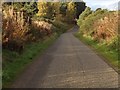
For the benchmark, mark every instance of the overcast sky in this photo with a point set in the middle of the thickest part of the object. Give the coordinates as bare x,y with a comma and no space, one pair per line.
110,4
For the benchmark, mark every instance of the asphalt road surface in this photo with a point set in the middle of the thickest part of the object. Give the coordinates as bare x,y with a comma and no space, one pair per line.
68,63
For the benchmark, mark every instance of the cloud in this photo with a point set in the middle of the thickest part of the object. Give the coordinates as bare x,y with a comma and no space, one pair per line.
109,4
113,6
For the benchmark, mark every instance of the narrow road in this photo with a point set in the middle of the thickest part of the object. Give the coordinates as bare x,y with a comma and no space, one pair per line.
68,63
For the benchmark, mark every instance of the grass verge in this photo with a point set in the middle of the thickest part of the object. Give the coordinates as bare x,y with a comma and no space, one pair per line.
17,62
110,56
14,64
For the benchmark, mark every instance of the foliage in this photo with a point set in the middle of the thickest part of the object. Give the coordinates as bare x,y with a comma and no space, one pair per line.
63,9
13,35
40,29
59,29
109,55
29,7
88,18
28,29
71,11
45,10
99,29
15,63
40,34
80,7
82,17
56,7
20,27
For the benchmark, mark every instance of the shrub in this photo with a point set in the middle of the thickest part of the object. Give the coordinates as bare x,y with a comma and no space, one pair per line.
61,27
82,17
13,35
101,26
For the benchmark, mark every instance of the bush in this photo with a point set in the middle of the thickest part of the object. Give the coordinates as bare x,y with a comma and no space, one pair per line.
87,25
82,17
101,26
13,35
60,27
40,29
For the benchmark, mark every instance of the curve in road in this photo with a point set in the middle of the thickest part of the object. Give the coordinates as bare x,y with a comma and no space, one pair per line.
68,63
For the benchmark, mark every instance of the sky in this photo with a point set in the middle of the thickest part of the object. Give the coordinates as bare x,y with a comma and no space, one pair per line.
94,4
106,4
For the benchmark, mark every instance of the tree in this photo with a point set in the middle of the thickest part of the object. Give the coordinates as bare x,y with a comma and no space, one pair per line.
98,9
56,7
80,7
82,17
71,11
45,10
63,9
30,8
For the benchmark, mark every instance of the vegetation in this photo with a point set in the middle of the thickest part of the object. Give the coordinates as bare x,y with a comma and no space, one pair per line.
28,29
82,17
110,56
71,11
100,30
31,27
19,62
